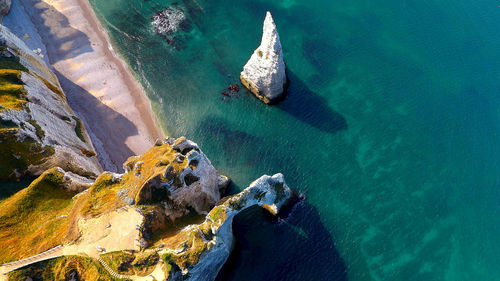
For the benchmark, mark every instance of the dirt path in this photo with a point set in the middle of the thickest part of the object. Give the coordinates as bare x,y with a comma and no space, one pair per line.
116,231
47,255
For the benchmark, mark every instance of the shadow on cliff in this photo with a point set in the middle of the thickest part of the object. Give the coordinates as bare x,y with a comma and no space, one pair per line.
299,248
65,41
309,107
9,188
109,128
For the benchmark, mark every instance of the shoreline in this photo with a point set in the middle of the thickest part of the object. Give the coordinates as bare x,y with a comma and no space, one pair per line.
143,103
99,85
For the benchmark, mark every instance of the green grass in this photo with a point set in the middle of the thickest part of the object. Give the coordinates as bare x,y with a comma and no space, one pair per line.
79,128
12,62
12,93
141,264
218,214
120,260
19,154
39,132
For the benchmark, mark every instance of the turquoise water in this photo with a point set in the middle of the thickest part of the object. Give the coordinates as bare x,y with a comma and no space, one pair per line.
391,128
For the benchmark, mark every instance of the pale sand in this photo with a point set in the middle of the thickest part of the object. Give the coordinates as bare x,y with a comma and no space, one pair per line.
98,84
115,231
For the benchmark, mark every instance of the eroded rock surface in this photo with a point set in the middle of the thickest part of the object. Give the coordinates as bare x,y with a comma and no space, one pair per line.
207,246
38,130
158,207
264,74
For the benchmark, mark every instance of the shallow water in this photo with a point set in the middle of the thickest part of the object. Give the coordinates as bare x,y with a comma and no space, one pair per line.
391,128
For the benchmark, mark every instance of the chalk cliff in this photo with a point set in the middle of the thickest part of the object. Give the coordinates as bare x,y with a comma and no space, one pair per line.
38,130
209,244
166,207
164,216
264,74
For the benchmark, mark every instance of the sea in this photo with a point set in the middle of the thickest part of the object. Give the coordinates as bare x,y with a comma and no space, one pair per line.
391,128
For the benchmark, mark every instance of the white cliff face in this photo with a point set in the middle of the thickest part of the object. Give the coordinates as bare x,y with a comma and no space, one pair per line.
270,192
202,184
264,74
182,181
42,132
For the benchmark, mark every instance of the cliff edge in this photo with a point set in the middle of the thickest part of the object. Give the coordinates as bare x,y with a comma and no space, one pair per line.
38,130
164,216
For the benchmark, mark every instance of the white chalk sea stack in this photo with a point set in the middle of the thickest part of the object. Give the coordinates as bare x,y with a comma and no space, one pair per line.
264,73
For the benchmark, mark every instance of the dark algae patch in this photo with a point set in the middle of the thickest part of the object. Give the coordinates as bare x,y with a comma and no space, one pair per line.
79,128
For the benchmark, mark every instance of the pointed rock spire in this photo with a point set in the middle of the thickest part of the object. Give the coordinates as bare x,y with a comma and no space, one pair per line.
264,74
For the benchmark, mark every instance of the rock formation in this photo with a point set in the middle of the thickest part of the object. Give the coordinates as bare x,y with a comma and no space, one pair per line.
166,205
159,207
202,261
182,178
264,74
38,130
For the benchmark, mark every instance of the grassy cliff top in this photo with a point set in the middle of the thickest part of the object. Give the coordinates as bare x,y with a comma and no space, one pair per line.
46,213
62,269
36,218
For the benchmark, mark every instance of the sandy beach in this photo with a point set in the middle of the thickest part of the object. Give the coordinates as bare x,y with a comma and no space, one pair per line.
98,84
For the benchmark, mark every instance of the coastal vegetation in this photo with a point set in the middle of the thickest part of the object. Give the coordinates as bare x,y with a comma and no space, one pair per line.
35,133
62,269
36,218
158,215
132,263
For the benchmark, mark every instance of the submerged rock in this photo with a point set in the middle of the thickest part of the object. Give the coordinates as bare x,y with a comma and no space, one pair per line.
264,74
4,7
172,25
168,20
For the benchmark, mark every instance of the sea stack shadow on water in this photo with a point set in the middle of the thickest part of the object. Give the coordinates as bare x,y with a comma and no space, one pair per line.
264,73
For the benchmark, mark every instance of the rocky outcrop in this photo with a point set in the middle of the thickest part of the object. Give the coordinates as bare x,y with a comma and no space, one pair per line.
208,245
4,8
167,204
178,176
156,190
38,130
264,74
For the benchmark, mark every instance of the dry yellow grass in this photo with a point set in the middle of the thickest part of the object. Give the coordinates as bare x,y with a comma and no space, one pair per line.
44,214
35,219
102,197
11,89
59,269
